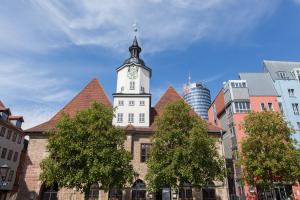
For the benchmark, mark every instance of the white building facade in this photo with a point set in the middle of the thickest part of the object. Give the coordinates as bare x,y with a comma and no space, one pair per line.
132,99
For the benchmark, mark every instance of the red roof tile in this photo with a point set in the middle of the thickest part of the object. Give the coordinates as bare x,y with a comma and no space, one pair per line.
169,96
92,92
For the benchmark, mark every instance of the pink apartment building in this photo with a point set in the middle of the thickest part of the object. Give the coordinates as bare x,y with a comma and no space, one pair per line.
255,92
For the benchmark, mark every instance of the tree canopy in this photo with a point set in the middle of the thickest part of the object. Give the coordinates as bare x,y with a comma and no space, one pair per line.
87,149
182,151
269,154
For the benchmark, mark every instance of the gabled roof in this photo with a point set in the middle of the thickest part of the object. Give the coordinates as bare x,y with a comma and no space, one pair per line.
92,92
169,96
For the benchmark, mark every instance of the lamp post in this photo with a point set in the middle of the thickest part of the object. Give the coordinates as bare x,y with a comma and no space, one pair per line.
3,172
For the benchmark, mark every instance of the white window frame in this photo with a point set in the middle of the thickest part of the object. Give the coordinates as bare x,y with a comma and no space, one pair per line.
142,102
131,103
121,103
242,106
262,106
270,106
120,118
130,117
132,85
295,108
291,92
142,117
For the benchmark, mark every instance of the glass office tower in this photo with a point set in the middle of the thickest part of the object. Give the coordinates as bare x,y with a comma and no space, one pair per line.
198,97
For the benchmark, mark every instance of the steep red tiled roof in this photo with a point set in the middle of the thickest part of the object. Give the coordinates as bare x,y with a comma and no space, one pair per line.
169,96
92,92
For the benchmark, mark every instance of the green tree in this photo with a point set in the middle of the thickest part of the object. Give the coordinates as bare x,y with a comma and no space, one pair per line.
182,151
87,149
269,154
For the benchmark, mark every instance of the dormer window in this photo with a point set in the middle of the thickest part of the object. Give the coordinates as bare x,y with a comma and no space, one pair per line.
238,84
283,75
132,85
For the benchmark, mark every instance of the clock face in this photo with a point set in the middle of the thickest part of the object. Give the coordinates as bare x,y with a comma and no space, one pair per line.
132,72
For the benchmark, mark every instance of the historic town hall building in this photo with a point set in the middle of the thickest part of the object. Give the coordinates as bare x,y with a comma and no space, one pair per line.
134,113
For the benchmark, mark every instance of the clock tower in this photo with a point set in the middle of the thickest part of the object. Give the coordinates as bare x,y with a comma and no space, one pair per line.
132,99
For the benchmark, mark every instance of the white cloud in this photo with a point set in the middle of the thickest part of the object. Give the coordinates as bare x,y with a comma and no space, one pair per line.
31,92
163,24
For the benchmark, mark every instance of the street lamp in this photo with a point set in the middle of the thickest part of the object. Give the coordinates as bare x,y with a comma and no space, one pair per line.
3,172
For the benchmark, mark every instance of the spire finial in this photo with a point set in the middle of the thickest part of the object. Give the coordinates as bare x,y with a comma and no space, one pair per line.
190,79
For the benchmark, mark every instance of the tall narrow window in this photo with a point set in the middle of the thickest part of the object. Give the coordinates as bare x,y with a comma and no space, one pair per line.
130,118
10,153
3,154
242,107
145,152
142,118
8,136
132,85
280,107
295,108
270,105
262,106
15,156
3,130
120,118
142,89
121,103
298,125
14,137
291,92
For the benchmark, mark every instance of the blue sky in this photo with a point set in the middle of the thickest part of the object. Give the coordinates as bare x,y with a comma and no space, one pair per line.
49,50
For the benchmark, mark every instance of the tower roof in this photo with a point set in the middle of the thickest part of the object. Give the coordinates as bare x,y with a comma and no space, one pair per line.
135,51
93,91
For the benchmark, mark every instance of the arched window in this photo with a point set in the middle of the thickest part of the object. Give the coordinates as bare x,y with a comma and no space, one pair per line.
185,191
49,193
94,192
115,194
139,190
209,192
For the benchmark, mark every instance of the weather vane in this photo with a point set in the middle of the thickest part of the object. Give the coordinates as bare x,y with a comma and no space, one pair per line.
135,28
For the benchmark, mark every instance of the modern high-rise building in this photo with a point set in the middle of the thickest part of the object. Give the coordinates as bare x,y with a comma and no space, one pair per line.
197,96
